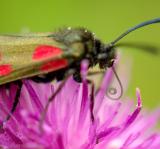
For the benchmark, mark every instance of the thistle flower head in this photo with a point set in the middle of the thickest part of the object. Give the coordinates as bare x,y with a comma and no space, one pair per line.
76,119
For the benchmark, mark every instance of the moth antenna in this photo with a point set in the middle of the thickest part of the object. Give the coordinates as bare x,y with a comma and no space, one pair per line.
157,20
113,90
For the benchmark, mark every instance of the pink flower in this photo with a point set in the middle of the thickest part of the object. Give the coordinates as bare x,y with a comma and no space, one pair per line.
73,121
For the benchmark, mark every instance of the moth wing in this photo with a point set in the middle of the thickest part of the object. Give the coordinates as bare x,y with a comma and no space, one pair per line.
26,57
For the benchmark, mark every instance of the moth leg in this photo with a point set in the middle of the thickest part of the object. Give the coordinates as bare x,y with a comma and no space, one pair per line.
46,78
91,99
16,100
77,75
51,99
90,73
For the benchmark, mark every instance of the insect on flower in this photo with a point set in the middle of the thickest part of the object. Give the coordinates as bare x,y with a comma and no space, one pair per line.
49,56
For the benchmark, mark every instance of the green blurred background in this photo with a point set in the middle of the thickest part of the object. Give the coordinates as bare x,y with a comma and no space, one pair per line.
107,18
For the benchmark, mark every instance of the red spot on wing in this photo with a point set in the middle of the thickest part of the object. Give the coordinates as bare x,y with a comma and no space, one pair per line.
5,69
46,51
54,65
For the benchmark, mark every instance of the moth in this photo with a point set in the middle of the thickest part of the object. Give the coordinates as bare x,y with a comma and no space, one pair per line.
48,56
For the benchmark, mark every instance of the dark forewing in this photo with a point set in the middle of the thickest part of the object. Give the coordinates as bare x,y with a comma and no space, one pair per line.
25,57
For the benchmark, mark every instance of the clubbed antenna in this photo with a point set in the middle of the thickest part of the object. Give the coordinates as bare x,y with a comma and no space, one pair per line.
157,20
